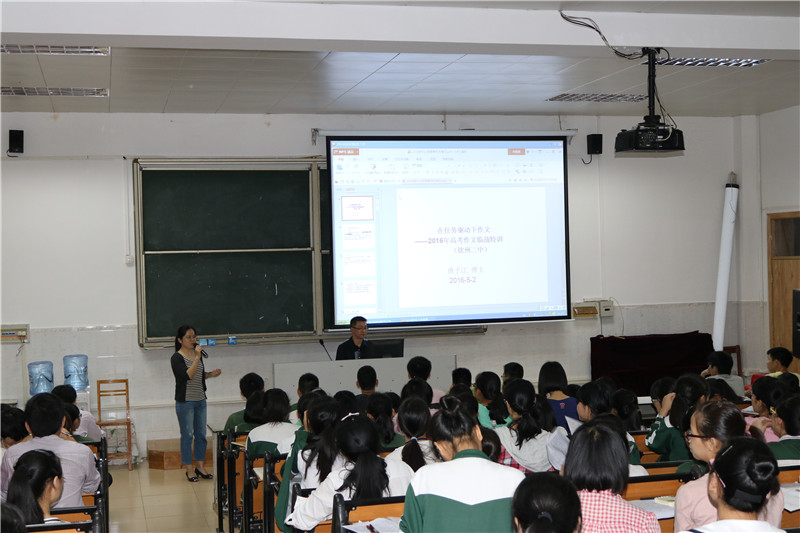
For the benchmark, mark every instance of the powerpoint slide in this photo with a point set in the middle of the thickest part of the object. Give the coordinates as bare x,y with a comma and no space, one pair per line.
360,292
358,236
471,246
357,208
358,265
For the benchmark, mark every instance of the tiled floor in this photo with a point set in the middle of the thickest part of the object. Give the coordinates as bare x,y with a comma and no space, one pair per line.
145,500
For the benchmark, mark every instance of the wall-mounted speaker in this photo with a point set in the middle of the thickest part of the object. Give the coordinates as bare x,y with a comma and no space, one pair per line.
16,141
594,143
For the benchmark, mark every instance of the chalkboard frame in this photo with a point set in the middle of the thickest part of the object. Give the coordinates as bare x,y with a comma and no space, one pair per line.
311,328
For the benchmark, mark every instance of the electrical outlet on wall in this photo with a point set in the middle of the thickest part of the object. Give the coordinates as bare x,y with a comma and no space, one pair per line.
606,308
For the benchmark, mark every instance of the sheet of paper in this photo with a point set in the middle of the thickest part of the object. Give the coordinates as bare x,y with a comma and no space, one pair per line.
381,525
791,496
661,511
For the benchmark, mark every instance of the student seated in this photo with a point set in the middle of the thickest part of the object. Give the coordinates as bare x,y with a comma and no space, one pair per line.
720,365
660,388
665,435
413,418
88,426
275,435
743,476
712,426
597,463
625,404
36,485
492,412
766,393
466,492
72,420
12,519
778,361
786,424
420,367
380,411
248,384
721,392
12,427
546,503
461,376
367,381
512,370
553,384
319,456
365,475
524,440
44,418
306,383
594,399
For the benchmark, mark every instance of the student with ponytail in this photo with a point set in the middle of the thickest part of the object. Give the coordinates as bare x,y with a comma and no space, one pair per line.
36,485
492,412
546,503
743,476
413,419
524,440
712,426
465,493
320,455
365,476
666,434
379,410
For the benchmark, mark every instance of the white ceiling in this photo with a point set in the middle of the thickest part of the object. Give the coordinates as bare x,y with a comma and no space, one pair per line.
359,74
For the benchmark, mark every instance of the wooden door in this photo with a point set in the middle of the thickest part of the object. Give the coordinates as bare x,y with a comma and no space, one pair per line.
783,251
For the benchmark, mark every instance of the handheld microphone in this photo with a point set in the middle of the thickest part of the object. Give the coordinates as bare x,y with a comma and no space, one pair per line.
322,343
203,352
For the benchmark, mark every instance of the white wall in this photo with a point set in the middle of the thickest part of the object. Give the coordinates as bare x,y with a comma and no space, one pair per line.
642,230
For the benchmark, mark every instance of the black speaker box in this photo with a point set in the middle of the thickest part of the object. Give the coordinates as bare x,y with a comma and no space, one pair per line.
16,141
594,143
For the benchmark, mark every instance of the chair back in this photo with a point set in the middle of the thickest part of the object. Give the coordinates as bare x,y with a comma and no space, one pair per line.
110,392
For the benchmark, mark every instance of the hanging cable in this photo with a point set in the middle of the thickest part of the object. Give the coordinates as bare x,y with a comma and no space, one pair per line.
586,22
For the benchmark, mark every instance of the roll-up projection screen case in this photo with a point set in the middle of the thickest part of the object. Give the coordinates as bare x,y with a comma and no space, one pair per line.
431,231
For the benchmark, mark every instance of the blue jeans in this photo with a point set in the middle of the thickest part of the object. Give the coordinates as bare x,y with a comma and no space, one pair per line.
192,420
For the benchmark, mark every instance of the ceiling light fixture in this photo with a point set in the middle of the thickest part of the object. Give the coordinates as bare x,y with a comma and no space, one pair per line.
55,50
53,91
709,62
593,97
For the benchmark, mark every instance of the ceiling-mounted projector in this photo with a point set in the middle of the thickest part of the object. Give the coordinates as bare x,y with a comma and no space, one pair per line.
652,135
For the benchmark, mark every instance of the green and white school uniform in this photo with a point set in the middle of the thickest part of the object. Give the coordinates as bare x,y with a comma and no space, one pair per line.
467,494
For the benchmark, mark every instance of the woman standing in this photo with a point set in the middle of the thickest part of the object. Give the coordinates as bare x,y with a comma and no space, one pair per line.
190,400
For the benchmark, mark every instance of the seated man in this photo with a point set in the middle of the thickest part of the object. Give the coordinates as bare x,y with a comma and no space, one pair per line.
512,370
44,418
250,383
461,376
357,346
720,365
778,361
305,384
88,426
366,380
420,367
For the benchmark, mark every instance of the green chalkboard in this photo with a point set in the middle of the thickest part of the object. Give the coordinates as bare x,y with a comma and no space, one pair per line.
230,250
229,293
225,209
